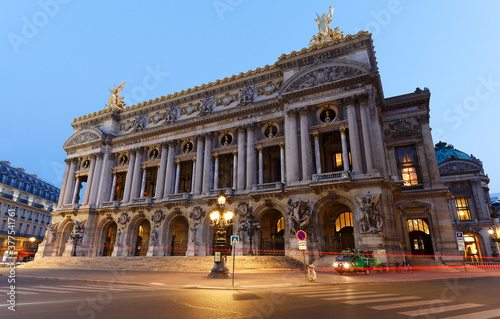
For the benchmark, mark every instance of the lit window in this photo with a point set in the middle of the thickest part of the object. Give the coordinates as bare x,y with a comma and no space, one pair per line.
343,220
280,224
406,158
463,210
418,225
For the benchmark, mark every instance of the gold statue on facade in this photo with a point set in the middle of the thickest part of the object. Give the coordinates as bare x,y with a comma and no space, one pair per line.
325,33
115,100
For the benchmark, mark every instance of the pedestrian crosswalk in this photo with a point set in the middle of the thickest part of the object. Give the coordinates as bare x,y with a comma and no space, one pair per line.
69,289
406,305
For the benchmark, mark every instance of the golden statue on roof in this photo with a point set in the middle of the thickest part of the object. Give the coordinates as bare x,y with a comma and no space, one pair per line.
325,33
115,100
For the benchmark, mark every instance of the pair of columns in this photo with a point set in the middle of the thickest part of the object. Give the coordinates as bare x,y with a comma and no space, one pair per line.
345,151
292,146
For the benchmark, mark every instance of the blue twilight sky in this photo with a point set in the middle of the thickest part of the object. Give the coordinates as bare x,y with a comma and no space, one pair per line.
59,57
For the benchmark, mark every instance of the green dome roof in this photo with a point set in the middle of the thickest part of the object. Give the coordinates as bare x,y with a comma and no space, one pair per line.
446,151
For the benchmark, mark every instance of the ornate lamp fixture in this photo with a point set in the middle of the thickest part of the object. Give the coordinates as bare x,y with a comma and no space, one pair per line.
221,219
250,227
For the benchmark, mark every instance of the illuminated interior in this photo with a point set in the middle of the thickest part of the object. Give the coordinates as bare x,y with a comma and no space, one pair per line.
463,210
343,220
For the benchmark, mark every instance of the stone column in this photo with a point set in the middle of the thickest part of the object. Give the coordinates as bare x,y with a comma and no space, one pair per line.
282,162
160,184
251,164
90,179
216,171
106,178
129,177
177,177
143,183
365,126
241,159
136,180
63,186
96,180
483,211
345,150
261,163
207,164
70,183
75,191
305,145
291,148
113,186
235,169
199,166
428,145
169,174
353,135
193,175
317,153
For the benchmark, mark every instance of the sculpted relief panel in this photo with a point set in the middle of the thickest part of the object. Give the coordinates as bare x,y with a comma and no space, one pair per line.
321,76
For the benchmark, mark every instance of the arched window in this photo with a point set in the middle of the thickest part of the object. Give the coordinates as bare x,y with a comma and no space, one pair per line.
343,220
280,224
418,225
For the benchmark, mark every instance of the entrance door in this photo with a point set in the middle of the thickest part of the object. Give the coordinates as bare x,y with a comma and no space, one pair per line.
420,238
272,242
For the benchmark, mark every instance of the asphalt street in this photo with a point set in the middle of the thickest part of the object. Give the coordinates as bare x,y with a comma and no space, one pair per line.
473,297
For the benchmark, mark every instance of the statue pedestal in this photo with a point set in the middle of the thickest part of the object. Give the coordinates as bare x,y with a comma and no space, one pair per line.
44,251
297,254
191,251
372,241
119,251
152,251
68,248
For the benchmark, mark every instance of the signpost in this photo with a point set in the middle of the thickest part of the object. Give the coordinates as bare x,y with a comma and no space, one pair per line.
461,246
301,236
235,239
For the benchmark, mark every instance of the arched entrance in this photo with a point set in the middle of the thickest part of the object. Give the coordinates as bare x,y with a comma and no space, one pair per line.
338,229
472,247
178,243
420,237
108,238
65,237
272,234
139,238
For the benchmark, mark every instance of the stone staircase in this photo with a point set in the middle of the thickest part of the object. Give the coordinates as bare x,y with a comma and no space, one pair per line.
170,263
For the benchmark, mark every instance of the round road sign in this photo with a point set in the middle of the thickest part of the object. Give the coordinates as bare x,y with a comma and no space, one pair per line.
301,235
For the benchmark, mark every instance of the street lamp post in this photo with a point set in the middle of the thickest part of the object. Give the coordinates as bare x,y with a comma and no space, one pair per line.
221,219
250,227
76,235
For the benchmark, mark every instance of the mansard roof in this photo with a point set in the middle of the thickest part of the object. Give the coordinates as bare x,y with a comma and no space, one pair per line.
18,179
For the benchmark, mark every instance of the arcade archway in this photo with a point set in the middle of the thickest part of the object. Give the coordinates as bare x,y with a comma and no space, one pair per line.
272,233
179,240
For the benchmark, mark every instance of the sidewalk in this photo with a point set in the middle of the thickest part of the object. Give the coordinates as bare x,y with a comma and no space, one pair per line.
242,280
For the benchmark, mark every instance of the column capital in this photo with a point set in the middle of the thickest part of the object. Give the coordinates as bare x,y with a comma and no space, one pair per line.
177,162
423,119
291,113
164,144
282,145
241,128
302,110
342,130
235,153
68,160
349,100
216,155
362,97
194,159
250,126
315,135
259,148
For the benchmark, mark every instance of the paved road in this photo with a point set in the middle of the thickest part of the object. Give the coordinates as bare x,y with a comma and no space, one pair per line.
449,298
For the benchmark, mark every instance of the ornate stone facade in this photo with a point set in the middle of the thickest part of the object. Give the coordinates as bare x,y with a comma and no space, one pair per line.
308,143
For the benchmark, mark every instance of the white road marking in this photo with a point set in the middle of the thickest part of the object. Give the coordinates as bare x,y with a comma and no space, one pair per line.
375,300
495,313
409,304
428,311
18,292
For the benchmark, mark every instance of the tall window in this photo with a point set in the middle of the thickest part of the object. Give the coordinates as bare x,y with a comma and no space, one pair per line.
27,229
406,158
280,225
463,210
120,186
151,174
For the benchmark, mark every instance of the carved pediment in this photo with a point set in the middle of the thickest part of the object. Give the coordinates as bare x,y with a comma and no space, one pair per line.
468,228
321,75
414,206
401,129
83,137
459,166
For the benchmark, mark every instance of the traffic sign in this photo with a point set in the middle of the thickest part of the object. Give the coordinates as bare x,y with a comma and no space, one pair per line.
301,235
235,239
302,245
460,241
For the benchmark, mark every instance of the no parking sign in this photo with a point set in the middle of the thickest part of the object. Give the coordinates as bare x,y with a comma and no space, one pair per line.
301,235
